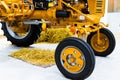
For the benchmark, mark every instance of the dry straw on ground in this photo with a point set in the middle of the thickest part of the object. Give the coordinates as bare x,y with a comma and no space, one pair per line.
54,35
35,56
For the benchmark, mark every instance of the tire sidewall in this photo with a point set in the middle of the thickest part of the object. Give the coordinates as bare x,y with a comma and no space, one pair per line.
31,36
87,52
111,38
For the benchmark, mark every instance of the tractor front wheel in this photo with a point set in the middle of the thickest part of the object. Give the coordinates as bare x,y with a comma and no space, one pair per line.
106,45
75,58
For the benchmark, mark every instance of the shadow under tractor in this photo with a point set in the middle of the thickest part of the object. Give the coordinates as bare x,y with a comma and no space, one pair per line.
74,56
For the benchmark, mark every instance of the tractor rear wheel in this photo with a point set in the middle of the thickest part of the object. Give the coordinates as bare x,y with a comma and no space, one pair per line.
75,58
106,45
19,38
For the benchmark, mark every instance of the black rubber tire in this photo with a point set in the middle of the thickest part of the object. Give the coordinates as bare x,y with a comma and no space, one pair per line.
87,52
111,39
30,38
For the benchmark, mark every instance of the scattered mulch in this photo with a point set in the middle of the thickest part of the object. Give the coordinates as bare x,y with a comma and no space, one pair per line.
35,56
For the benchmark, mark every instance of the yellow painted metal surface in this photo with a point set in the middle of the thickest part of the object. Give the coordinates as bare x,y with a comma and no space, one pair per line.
73,59
97,6
84,22
101,44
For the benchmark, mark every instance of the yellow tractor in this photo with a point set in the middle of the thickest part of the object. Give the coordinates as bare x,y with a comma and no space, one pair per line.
22,23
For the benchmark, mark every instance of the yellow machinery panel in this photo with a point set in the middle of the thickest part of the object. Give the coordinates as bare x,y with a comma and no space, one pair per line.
97,6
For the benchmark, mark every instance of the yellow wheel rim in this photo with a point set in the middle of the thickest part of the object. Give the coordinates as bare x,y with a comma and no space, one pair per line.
72,59
103,45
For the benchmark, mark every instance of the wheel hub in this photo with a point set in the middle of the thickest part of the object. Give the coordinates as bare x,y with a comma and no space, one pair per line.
102,45
72,59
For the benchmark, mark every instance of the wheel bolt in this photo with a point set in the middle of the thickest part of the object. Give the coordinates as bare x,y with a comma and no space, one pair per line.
78,65
64,54
75,52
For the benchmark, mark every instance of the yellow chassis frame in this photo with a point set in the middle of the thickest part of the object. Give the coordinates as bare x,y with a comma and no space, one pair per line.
12,10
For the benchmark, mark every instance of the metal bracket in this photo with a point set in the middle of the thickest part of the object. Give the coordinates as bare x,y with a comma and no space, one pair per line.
37,22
